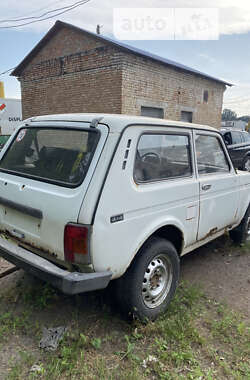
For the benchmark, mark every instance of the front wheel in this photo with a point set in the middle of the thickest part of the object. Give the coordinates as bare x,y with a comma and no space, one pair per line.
149,284
246,164
241,233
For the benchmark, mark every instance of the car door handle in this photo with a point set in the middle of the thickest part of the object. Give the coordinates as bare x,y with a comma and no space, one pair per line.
206,187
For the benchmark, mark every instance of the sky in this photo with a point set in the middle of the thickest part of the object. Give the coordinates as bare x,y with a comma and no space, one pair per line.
227,58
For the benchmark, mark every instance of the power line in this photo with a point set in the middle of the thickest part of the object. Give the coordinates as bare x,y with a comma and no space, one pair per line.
37,10
5,72
42,15
69,8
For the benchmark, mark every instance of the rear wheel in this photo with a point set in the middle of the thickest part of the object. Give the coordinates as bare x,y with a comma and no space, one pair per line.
241,233
150,282
246,164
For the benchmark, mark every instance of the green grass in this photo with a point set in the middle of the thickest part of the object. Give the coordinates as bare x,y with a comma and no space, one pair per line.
12,323
196,339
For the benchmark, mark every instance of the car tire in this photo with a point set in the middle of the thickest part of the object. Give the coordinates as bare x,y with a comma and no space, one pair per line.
246,164
240,234
149,284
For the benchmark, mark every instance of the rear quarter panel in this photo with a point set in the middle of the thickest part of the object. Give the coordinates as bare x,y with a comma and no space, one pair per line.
144,208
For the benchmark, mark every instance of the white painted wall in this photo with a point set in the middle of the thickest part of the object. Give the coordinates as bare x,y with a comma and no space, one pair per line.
10,115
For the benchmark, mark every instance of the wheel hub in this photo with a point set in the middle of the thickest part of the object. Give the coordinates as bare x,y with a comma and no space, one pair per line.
247,165
157,281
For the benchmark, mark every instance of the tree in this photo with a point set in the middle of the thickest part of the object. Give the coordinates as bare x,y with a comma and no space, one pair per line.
228,114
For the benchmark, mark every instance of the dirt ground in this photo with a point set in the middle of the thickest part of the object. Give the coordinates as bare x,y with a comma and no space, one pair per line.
223,271
220,268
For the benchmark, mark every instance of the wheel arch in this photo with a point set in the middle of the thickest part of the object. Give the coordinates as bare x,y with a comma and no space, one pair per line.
173,234
169,232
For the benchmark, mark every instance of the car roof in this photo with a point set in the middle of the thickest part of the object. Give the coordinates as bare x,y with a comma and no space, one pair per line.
232,130
117,123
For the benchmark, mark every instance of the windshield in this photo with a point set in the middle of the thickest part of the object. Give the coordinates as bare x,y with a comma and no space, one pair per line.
55,155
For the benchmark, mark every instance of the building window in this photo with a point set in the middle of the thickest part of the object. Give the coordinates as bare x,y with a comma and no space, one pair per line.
152,112
187,116
205,96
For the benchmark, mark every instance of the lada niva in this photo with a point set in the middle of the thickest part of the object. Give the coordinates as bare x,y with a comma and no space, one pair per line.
90,198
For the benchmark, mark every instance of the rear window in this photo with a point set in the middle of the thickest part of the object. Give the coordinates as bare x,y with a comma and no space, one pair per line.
60,156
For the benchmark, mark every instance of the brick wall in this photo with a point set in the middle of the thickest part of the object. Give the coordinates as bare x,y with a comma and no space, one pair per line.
147,83
73,73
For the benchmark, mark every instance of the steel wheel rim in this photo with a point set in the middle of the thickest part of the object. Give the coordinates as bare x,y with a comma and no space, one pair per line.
247,165
157,281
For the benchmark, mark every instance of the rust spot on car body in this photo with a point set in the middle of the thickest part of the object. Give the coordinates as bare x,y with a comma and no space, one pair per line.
215,230
46,254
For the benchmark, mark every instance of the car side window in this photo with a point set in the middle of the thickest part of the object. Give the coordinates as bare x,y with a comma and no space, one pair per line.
162,156
211,158
246,137
236,137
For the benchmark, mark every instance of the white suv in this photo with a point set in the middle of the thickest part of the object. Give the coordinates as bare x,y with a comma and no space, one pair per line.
89,198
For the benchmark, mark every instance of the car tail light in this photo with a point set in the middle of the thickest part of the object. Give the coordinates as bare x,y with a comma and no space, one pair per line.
76,244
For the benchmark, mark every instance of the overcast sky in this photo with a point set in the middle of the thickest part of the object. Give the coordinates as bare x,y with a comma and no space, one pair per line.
227,58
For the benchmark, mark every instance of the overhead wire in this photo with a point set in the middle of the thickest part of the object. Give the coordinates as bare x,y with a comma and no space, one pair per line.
5,72
69,8
35,11
62,10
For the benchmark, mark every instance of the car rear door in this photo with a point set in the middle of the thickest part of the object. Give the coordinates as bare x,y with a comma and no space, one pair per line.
43,181
218,182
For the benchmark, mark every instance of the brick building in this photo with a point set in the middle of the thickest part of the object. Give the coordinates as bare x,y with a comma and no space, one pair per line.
73,70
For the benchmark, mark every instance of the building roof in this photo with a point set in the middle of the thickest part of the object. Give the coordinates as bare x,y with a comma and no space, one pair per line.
117,123
142,53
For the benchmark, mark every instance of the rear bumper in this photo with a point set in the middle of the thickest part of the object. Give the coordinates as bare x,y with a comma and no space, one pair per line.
67,282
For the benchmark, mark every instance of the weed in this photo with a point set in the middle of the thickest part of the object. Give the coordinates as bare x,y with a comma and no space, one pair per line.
39,296
96,343
84,339
17,371
128,353
10,323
